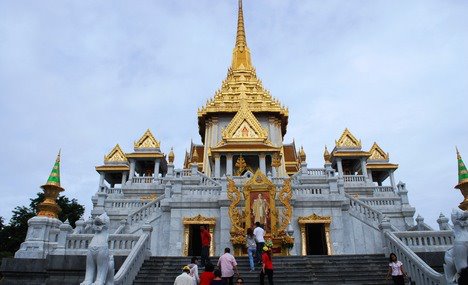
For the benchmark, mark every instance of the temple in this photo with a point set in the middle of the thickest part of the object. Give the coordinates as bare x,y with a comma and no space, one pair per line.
243,172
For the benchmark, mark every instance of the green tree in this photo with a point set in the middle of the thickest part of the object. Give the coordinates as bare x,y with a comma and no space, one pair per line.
13,234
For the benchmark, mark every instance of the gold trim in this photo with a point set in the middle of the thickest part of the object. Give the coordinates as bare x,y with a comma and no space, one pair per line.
347,139
198,220
377,153
384,166
112,168
115,155
315,219
285,196
145,155
147,140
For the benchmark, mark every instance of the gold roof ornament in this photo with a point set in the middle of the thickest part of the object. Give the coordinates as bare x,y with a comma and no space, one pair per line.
241,78
302,155
171,156
241,165
276,160
195,155
326,155
378,154
147,141
348,140
49,207
116,155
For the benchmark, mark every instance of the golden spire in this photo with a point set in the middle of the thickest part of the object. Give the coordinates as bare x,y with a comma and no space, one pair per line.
462,181
302,154
241,54
326,155
195,155
171,156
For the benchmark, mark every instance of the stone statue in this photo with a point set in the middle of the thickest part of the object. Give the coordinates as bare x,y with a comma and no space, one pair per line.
456,258
260,209
99,261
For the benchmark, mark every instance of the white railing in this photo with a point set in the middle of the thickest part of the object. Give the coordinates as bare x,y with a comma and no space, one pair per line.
141,180
382,189
119,244
144,212
107,190
202,191
365,213
354,178
417,269
381,201
179,173
126,204
306,190
205,180
316,171
129,269
427,241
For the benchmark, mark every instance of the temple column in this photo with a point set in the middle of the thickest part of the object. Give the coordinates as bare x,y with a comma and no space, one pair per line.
340,167
369,175
156,168
363,167
124,177
132,170
262,162
229,165
101,179
217,165
392,180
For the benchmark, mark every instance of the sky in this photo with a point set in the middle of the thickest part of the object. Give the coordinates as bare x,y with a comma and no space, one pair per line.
85,75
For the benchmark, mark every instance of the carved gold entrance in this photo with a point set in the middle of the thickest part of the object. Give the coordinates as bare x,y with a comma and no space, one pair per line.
320,224
188,231
259,197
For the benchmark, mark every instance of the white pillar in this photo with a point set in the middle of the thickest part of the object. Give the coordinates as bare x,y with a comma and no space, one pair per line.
101,179
262,162
340,167
156,169
124,177
392,180
369,174
229,165
217,165
132,170
363,166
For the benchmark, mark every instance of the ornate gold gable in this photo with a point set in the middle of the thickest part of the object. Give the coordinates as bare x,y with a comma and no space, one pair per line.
244,127
314,218
115,155
147,141
199,220
377,153
348,140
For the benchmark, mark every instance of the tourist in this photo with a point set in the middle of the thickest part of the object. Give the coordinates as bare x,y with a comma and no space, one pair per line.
228,266
267,267
239,281
217,280
396,269
205,241
194,270
259,234
207,275
184,278
251,247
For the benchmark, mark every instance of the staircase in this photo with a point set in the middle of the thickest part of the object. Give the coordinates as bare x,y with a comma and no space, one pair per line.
337,269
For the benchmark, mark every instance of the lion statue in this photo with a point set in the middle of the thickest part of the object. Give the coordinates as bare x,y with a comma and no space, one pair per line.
456,258
99,261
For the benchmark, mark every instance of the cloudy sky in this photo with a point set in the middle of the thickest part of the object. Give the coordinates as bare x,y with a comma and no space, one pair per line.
85,75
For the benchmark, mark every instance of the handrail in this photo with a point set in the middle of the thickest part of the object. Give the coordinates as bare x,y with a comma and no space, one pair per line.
426,241
129,269
419,271
206,180
373,217
145,211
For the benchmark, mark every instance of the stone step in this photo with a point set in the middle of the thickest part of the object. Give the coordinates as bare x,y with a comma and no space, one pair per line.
337,269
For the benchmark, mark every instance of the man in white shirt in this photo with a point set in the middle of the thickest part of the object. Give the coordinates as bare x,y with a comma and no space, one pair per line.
228,265
259,234
184,278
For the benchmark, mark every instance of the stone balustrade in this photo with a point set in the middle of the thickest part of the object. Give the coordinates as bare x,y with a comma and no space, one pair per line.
364,212
179,173
125,203
110,190
143,180
202,191
354,178
427,241
381,202
144,212
307,190
119,244
205,180
382,189
316,172
417,269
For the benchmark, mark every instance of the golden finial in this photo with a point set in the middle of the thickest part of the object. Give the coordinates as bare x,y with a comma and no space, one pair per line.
49,207
241,53
462,181
302,155
194,155
326,155
171,156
